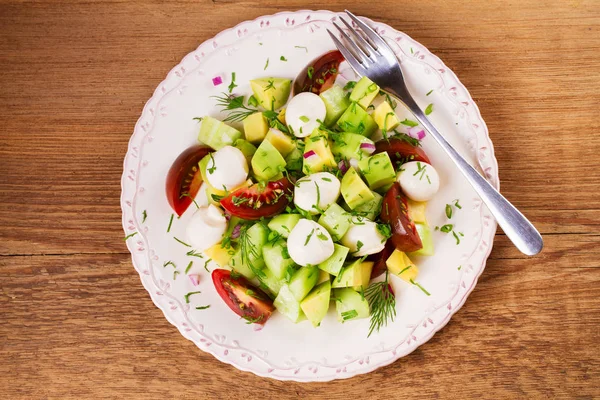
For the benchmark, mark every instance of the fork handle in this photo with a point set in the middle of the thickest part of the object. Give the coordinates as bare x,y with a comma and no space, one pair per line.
514,224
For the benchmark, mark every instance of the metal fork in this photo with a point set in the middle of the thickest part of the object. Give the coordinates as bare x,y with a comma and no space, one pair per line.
370,56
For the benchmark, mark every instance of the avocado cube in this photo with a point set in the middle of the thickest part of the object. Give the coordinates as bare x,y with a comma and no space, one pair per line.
364,92
217,134
356,275
247,148
400,265
371,208
424,232
416,211
284,223
356,120
318,143
267,162
350,304
323,277
277,258
219,254
346,145
336,103
271,93
354,191
282,142
336,220
385,117
333,265
316,304
286,303
256,127
378,170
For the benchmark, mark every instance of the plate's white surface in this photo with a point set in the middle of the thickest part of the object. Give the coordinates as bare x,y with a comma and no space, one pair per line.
282,350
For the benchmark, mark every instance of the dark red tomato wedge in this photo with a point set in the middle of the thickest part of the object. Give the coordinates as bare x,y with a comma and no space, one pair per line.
184,179
320,74
244,299
259,200
400,151
395,213
379,259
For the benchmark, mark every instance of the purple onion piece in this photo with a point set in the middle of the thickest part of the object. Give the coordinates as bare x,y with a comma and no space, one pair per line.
195,278
343,166
309,154
236,231
217,80
368,148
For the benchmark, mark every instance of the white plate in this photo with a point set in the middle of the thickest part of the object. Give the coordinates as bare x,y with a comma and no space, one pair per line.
282,350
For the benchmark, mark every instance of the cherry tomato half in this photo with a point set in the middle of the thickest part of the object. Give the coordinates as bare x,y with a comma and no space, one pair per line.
184,179
259,200
320,75
400,151
379,259
394,212
244,299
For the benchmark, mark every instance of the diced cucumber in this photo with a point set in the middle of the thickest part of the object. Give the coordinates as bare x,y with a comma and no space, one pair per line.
350,304
336,220
316,304
217,134
240,264
364,92
248,259
336,103
371,208
356,275
286,303
346,145
303,281
378,170
247,148
295,158
284,223
277,258
272,283
424,232
356,120
334,264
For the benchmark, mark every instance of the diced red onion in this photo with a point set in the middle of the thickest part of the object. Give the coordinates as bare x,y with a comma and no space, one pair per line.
368,148
217,80
195,278
235,233
343,166
309,154
416,132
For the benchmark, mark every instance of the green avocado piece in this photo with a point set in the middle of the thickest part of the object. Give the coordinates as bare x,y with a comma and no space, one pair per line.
284,223
336,103
316,304
354,191
294,160
346,145
271,93
364,92
334,264
356,120
424,232
318,142
372,208
350,304
267,162
378,170
217,134
247,148
336,220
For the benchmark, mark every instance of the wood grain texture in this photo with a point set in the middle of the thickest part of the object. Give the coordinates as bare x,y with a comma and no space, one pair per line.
75,321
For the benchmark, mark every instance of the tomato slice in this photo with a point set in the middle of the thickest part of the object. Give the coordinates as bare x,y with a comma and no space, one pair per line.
394,212
184,179
244,299
320,75
400,151
379,259
259,200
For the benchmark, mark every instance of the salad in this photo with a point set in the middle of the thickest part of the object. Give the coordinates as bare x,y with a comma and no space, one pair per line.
313,194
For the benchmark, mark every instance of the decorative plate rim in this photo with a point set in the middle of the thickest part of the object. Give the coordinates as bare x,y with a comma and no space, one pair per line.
482,135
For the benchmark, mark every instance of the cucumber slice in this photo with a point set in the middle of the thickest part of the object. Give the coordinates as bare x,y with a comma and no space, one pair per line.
277,258
284,223
336,103
356,275
217,134
378,170
272,283
350,304
286,303
316,304
336,220
371,208
303,281
248,259
424,232
334,264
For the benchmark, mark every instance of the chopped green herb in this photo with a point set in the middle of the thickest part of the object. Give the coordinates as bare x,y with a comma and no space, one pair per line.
170,223
202,307
428,93
308,237
457,205
193,253
385,230
235,105
346,315
420,287
189,266
409,122
129,236
250,320
350,85
206,264
404,269
304,118
144,216
359,245
169,263
252,101
322,236
193,200
266,65
459,267
429,109
232,85
448,211
175,273
187,296
270,85
302,47
447,228
282,58
326,179
199,119
182,242
456,237
310,71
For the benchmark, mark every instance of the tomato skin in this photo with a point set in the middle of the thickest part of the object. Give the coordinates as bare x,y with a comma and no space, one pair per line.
261,202
394,212
401,151
379,259
325,70
184,178
256,308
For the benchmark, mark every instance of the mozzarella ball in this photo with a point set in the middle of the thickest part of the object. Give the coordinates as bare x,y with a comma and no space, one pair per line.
418,180
321,186
304,112
363,238
309,243
227,168
206,227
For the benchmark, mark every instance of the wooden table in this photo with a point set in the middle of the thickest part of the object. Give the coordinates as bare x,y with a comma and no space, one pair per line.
75,321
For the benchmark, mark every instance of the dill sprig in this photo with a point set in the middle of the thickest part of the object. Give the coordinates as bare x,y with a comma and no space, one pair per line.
382,302
249,251
238,111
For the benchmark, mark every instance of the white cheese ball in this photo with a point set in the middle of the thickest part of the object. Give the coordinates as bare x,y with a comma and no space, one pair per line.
309,243
227,169
206,227
363,238
321,186
418,180
302,113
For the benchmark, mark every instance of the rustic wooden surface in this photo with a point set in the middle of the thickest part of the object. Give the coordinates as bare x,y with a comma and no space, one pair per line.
75,321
